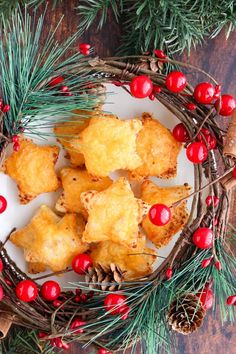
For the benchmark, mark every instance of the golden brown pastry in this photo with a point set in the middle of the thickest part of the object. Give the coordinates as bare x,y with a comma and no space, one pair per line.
158,150
33,169
113,214
134,263
50,241
109,144
153,194
74,182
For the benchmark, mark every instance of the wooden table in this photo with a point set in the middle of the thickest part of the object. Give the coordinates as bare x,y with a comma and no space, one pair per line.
217,57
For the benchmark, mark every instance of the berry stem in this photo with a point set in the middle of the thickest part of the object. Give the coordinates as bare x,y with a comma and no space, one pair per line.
202,188
203,122
7,238
67,270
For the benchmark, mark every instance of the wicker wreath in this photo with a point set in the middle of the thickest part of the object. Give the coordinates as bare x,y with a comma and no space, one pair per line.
157,304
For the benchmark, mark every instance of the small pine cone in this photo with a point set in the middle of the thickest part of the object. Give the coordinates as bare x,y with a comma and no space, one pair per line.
104,278
151,64
186,314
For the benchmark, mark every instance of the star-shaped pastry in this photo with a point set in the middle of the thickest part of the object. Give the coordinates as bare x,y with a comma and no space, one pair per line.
153,194
113,214
74,182
50,241
158,150
33,169
109,144
134,263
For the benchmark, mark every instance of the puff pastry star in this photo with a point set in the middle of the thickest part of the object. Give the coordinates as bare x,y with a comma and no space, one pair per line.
158,150
33,169
109,144
134,263
152,194
113,214
74,182
50,241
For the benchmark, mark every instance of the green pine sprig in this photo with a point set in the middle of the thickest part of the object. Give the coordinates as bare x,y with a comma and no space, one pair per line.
173,26
26,67
24,341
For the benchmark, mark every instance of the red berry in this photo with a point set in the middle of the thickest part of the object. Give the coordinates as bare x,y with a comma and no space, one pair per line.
231,300
234,172
1,265
204,93
81,263
141,86
76,324
77,298
180,133
156,89
217,91
3,204
65,346
56,81
227,105
215,222
16,147
1,103
26,290
152,97
15,139
50,290
176,81
115,303
84,47
42,335
218,265
78,291
64,88
103,351
83,298
1,293
207,298
125,313
197,152
57,303
6,108
159,53
190,106
169,273
211,198
159,214
206,262
210,139
203,238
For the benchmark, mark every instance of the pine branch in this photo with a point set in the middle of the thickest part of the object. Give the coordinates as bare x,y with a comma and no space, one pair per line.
174,26
25,70
23,341
90,10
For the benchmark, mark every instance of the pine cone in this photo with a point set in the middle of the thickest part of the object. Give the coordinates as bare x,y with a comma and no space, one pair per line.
186,314
103,278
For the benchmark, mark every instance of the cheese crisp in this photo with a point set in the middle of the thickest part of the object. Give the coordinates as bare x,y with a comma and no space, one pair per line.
50,241
66,131
158,150
33,169
134,263
74,182
109,144
153,194
113,214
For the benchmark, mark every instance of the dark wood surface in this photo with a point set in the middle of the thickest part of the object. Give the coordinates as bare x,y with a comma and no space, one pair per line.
217,57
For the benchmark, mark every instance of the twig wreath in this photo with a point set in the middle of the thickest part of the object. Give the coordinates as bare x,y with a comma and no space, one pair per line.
200,271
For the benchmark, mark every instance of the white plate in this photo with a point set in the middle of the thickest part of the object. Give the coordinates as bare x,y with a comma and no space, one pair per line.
122,104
